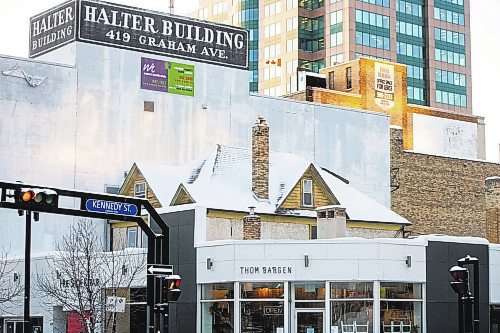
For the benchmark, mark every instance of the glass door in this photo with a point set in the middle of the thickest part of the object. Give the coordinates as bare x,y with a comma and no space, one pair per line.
309,321
14,326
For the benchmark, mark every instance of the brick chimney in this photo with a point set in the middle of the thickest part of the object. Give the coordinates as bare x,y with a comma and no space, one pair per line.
331,222
260,159
251,226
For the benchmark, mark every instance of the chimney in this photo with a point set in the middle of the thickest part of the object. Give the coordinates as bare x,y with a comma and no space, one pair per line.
331,222
251,226
260,159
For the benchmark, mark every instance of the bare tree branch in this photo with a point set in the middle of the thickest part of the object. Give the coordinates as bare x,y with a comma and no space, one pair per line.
81,273
10,282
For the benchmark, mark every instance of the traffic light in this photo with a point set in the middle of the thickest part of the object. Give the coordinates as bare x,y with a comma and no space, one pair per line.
460,284
37,197
170,288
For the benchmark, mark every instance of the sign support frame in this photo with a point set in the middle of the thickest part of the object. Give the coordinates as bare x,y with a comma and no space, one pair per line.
158,244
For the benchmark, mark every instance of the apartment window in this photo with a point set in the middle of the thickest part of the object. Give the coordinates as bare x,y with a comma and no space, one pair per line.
219,7
336,39
336,59
449,16
377,20
348,78
291,4
336,17
292,44
272,9
307,193
132,237
331,80
450,57
203,13
140,190
383,3
292,24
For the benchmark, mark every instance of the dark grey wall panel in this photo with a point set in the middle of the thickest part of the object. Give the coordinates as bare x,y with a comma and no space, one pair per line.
442,307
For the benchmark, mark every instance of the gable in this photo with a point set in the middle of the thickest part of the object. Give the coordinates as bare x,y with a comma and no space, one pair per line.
135,176
322,195
182,197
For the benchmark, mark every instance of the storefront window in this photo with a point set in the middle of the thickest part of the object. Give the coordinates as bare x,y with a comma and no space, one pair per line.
352,306
262,307
307,295
217,308
400,307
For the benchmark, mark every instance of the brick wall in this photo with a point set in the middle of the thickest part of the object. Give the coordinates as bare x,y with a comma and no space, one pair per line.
440,194
493,209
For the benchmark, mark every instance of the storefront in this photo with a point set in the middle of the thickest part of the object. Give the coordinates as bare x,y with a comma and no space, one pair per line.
334,286
312,307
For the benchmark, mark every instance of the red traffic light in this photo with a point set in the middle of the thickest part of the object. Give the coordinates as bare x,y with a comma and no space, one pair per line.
37,196
27,196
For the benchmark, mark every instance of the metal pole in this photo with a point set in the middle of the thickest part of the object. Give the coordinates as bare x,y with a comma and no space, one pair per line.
476,296
27,274
468,314
460,314
150,288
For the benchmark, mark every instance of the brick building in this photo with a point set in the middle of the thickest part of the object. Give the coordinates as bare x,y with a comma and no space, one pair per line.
438,183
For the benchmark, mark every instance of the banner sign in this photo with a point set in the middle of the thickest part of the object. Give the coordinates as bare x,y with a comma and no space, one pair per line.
52,29
384,85
167,76
131,28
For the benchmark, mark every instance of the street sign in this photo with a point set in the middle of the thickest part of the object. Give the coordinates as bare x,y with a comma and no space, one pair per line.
115,304
111,207
158,269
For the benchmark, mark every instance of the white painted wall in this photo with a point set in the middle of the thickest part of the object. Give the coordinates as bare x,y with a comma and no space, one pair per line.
329,260
494,274
445,137
84,126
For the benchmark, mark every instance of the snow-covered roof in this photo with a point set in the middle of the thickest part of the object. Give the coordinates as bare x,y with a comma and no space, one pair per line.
223,180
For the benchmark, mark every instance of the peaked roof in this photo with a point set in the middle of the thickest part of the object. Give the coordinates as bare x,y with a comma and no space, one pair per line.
223,180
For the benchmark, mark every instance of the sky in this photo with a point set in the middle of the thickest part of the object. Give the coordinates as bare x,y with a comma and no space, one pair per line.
14,36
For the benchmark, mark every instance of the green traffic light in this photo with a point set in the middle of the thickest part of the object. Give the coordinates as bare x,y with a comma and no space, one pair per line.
49,200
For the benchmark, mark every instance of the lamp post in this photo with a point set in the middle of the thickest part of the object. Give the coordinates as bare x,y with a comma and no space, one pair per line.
467,322
468,260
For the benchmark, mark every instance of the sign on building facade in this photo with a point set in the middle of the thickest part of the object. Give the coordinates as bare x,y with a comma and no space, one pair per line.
384,85
137,29
167,76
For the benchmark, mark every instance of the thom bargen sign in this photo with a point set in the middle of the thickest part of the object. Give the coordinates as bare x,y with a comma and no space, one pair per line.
136,29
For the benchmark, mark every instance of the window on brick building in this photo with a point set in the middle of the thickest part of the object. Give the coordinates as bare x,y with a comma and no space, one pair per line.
331,80
348,78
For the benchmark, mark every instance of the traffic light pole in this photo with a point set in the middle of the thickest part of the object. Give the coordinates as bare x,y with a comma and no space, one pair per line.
92,205
27,274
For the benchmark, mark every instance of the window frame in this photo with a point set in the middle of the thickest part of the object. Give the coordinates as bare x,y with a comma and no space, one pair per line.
145,190
303,190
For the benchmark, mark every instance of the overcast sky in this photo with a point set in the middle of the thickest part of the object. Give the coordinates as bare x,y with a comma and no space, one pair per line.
14,36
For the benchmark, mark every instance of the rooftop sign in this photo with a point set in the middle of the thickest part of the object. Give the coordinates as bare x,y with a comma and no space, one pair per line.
137,29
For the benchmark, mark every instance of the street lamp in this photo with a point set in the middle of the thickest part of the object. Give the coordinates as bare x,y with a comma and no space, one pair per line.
461,286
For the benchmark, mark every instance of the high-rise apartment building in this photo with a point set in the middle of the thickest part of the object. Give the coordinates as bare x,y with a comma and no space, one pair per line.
432,37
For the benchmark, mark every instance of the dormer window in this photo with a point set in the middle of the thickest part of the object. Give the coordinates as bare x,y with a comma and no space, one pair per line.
140,190
307,192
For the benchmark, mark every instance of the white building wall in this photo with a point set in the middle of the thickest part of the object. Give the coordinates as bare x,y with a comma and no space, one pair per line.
347,259
494,274
84,126
445,137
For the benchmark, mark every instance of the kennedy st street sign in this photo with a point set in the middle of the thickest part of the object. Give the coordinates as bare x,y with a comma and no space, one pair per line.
111,207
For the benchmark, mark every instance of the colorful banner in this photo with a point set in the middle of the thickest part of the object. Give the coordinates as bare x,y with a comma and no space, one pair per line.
167,76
